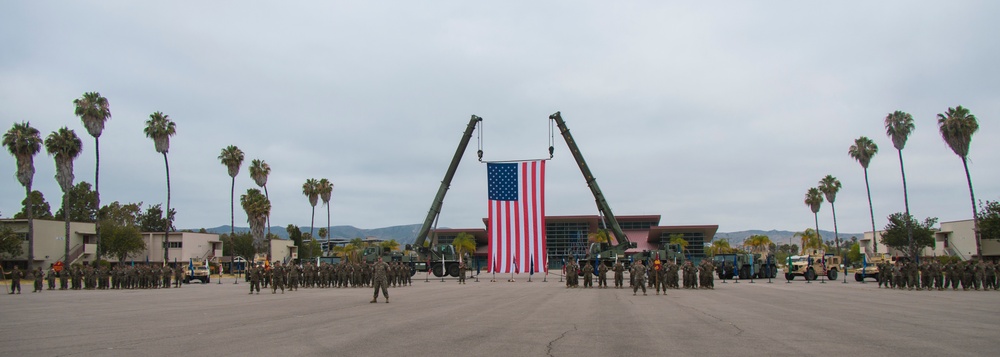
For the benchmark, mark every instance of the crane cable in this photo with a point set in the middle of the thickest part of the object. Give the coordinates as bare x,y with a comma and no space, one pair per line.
552,140
479,138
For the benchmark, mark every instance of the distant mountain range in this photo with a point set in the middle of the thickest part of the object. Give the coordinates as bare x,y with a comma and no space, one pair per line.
406,234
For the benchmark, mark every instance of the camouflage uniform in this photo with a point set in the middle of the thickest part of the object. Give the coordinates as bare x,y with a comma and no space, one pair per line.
602,276
461,273
39,278
50,277
379,280
619,275
254,273
588,275
640,275
15,280
63,277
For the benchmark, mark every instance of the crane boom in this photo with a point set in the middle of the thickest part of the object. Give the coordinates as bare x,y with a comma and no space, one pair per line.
602,204
435,209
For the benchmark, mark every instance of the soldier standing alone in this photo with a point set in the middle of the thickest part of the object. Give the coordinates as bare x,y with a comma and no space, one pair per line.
639,271
379,271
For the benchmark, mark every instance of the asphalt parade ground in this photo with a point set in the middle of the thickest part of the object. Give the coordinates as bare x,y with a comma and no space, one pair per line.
503,319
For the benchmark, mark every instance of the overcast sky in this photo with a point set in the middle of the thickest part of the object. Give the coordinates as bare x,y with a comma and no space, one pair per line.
705,113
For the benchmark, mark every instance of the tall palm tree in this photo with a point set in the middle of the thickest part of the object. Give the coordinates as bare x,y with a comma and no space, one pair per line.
814,198
232,157
863,150
311,190
24,142
259,170
94,110
957,126
325,188
829,186
160,128
898,126
65,146
757,242
257,208
720,246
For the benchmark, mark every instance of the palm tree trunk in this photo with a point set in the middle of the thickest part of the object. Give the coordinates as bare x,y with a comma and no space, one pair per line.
820,238
232,208
975,213
166,230
232,225
871,210
267,236
65,204
313,222
97,194
906,202
836,234
328,233
31,228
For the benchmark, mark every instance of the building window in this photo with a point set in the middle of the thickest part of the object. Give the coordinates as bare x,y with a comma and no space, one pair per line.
24,236
696,243
566,240
174,244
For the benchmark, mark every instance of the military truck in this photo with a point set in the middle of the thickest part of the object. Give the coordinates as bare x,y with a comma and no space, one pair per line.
198,270
745,265
870,269
813,264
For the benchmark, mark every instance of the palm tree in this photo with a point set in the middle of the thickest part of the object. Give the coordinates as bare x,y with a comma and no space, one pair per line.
65,146
757,242
311,190
810,239
814,199
94,110
601,236
389,245
863,150
325,188
232,157
679,240
259,170
957,126
720,246
464,243
24,142
257,208
898,126
829,185
160,128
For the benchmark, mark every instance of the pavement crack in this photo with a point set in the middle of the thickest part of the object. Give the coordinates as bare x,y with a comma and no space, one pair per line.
548,350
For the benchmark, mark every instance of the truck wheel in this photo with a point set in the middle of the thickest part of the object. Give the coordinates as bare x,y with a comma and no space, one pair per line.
858,277
789,276
438,270
745,272
832,274
207,280
453,269
810,274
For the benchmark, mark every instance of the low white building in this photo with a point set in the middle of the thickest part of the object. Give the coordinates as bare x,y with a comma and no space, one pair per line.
50,244
955,238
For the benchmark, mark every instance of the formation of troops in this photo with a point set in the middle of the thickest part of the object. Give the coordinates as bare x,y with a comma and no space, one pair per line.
290,277
931,274
657,275
89,277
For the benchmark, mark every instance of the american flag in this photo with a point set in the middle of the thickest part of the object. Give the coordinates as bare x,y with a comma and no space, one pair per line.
516,218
